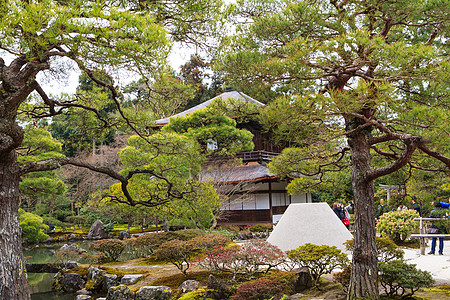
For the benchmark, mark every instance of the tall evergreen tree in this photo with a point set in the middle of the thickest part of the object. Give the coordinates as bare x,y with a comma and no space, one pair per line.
365,86
96,37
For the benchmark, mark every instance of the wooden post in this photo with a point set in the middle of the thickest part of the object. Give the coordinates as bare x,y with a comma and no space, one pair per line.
270,201
422,239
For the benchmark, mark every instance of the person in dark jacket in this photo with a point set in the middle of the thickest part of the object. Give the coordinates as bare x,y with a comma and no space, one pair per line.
437,212
338,209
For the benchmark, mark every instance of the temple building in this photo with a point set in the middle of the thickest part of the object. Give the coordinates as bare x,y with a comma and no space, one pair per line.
254,195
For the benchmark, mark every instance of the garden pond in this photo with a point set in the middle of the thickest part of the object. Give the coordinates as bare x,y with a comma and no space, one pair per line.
41,283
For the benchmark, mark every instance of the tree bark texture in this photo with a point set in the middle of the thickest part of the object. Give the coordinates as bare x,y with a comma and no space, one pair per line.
364,274
13,277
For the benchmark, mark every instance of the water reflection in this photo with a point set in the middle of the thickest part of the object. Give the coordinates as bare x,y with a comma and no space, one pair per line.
41,283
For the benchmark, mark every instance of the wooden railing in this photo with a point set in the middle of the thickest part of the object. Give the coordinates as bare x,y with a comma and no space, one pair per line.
423,232
258,156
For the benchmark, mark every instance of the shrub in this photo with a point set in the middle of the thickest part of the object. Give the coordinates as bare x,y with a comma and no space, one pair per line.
398,225
261,228
233,229
221,259
254,256
318,259
259,255
177,252
209,241
386,249
110,248
344,277
397,278
183,235
63,256
259,290
32,227
145,245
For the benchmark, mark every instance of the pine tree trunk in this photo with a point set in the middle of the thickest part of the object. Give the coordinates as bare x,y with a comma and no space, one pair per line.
13,277
364,275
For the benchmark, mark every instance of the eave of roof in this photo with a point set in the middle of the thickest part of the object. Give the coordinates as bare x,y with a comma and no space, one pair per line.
224,96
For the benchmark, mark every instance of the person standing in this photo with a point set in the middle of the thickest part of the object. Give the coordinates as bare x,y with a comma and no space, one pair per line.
381,209
416,207
338,210
437,212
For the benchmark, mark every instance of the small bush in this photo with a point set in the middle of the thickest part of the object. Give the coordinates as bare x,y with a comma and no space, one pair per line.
177,252
145,245
254,256
344,277
63,256
402,279
318,259
398,225
183,235
233,229
386,249
259,290
261,228
32,227
110,248
209,241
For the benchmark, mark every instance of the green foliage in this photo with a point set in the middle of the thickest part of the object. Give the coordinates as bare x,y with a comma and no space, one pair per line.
399,278
209,241
166,165
398,225
261,227
387,250
45,186
63,256
318,259
343,277
177,252
208,127
161,98
259,290
109,248
32,227
194,295
183,235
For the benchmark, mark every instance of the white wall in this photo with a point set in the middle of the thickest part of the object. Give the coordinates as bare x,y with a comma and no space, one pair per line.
261,201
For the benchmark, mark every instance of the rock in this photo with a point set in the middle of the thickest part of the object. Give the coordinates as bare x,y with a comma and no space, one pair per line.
83,297
246,235
72,282
109,280
96,276
72,247
97,231
111,235
297,296
154,293
188,286
217,289
124,235
101,298
50,267
304,280
131,278
120,292
83,292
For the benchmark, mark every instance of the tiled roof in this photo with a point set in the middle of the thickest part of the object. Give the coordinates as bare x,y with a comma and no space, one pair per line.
252,172
224,96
